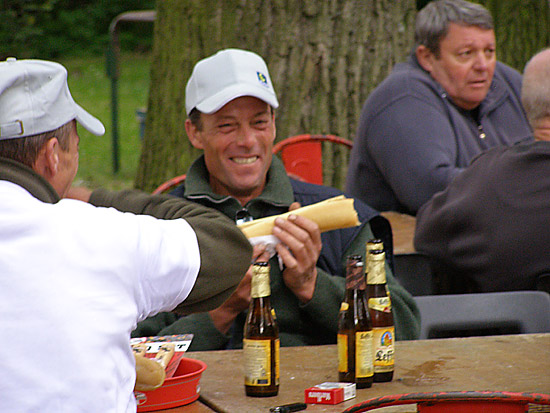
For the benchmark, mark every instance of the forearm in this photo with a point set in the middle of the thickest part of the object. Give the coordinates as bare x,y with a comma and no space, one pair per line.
205,335
222,268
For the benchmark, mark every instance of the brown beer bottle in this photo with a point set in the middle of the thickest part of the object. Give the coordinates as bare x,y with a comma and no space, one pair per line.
355,345
379,304
261,338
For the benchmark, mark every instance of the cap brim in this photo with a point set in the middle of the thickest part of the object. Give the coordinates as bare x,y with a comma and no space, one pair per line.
220,99
89,122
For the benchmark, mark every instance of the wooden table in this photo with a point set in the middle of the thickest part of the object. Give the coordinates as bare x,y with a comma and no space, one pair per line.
402,226
518,363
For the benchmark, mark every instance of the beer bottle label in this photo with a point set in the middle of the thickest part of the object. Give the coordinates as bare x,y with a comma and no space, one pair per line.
257,362
382,304
342,342
384,338
344,306
363,354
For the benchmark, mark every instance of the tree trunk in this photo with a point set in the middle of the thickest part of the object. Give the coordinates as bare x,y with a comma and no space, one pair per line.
324,57
522,28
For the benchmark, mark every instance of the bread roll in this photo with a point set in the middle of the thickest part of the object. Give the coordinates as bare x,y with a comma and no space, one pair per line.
150,373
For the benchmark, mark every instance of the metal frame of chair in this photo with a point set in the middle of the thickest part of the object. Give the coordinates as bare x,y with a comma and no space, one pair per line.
457,402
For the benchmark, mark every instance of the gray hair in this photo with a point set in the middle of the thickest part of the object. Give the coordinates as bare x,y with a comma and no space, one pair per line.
432,22
535,89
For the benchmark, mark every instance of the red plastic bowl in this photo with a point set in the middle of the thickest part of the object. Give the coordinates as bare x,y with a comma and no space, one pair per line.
179,390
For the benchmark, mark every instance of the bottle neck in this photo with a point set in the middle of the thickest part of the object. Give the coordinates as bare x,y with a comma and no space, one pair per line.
356,281
260,285
376,272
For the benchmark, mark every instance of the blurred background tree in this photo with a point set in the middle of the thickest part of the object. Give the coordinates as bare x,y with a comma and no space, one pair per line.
324,57
49,29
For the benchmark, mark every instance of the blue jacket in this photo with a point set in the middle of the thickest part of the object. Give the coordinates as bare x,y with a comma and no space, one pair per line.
412,140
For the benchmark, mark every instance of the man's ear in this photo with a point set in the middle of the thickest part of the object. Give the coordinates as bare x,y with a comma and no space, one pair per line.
193,134
274,125
47,161
425,58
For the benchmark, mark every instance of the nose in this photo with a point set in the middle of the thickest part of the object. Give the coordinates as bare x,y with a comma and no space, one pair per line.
481,62
246,136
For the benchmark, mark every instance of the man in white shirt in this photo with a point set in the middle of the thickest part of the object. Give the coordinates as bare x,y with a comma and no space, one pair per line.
75,278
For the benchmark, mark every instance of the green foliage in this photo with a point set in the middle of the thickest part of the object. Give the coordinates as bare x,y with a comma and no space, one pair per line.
47,29
91,88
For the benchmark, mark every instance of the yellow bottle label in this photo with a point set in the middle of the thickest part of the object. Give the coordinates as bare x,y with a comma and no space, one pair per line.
380,304
342,342
257,362
344,306
363,354
384,338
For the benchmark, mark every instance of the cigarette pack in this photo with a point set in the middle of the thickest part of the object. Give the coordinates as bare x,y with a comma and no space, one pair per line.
330,393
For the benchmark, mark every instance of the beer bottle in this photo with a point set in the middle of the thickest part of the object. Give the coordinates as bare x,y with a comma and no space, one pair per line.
379,303
261,338
355,345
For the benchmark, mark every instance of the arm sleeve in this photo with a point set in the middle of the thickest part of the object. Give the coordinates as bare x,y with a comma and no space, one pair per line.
225,253
414,147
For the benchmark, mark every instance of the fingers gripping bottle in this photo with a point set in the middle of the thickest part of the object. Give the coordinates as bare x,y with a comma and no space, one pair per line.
379,303
355,358
261,338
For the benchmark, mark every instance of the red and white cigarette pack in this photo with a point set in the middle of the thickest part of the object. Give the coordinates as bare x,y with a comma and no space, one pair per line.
330,393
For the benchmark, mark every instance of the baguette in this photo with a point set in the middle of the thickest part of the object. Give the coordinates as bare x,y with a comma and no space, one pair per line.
332,213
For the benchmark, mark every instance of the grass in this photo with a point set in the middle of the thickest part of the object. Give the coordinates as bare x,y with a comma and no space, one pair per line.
91,88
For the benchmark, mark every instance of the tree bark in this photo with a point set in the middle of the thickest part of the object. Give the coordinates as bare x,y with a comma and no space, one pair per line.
522,28
324,57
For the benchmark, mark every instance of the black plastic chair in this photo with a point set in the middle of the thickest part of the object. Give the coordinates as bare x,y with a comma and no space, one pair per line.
414,273
480,314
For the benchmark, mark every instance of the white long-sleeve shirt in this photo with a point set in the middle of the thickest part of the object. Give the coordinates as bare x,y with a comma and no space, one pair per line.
74,280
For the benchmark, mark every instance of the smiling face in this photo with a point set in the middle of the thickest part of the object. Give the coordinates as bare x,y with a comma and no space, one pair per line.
237,141
465,64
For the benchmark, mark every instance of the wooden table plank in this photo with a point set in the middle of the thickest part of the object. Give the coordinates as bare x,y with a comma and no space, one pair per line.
402,226
518,363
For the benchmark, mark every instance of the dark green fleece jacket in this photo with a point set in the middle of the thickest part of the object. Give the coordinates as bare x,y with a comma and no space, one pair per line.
299,324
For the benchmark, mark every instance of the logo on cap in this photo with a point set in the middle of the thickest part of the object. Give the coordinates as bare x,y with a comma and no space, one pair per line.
262,78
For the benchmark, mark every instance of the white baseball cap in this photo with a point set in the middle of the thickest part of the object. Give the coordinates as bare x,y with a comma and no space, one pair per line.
227,75
35,98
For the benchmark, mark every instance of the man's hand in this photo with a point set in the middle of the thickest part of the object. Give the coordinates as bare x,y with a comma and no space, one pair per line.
299,249
223,316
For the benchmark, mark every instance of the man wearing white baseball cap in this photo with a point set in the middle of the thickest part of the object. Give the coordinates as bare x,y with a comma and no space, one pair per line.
76,278
230,102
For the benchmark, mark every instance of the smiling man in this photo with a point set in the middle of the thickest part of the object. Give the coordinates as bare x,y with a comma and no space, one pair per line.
449,102
230,102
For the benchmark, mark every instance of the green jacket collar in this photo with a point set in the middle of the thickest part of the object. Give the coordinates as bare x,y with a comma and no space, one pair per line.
25,177
277,192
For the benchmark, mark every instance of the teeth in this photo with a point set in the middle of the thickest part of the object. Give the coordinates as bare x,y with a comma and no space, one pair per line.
245,161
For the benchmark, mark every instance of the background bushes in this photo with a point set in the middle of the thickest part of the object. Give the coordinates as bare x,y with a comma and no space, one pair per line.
49,29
